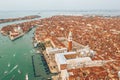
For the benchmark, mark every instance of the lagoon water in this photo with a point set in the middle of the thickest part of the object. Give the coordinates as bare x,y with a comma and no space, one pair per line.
15,56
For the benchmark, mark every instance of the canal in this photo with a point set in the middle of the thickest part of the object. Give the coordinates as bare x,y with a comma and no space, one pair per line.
16,58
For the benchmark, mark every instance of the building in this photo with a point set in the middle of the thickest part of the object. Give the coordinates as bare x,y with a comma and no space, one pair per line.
53,51
86,51
61,59
119,75
69,63
18,29
70,41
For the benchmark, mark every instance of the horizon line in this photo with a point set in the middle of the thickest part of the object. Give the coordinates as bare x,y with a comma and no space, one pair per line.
69,10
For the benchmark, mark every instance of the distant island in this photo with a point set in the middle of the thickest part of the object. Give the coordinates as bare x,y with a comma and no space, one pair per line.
19,18
15,31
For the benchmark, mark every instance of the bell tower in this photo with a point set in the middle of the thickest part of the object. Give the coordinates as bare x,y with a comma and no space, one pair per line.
70,41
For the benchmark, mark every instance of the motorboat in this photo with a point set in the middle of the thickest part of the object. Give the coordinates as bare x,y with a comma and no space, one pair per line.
8,64
19,71
26,77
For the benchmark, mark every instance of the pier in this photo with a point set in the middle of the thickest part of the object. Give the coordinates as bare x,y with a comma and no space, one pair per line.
36,65
40,66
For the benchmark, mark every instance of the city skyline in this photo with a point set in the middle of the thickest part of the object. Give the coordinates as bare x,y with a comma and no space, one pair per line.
59,5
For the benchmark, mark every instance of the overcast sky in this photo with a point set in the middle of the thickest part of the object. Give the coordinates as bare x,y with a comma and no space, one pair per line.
58,4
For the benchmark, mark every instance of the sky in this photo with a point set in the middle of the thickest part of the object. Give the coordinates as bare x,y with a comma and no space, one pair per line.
59,4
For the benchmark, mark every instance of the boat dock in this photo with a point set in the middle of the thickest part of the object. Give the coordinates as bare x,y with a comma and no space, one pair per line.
40,67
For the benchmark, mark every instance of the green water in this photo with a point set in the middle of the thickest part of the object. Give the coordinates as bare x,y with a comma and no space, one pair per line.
18,54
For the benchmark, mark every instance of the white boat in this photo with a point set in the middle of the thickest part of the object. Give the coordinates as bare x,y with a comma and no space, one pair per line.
19,71
5,72
8,64
49,78
35,45
26,77
37,51
13,55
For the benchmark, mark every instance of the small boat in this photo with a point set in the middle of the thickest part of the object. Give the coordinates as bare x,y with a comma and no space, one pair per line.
37,51
5,72
8,64
19,71
13,77
26,77
49,78
35,45
13,55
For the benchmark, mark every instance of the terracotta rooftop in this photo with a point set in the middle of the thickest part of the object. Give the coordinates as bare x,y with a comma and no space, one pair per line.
100,33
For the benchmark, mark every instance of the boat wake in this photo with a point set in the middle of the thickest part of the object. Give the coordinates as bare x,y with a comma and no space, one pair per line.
5,72
12,77
13,68
19,71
